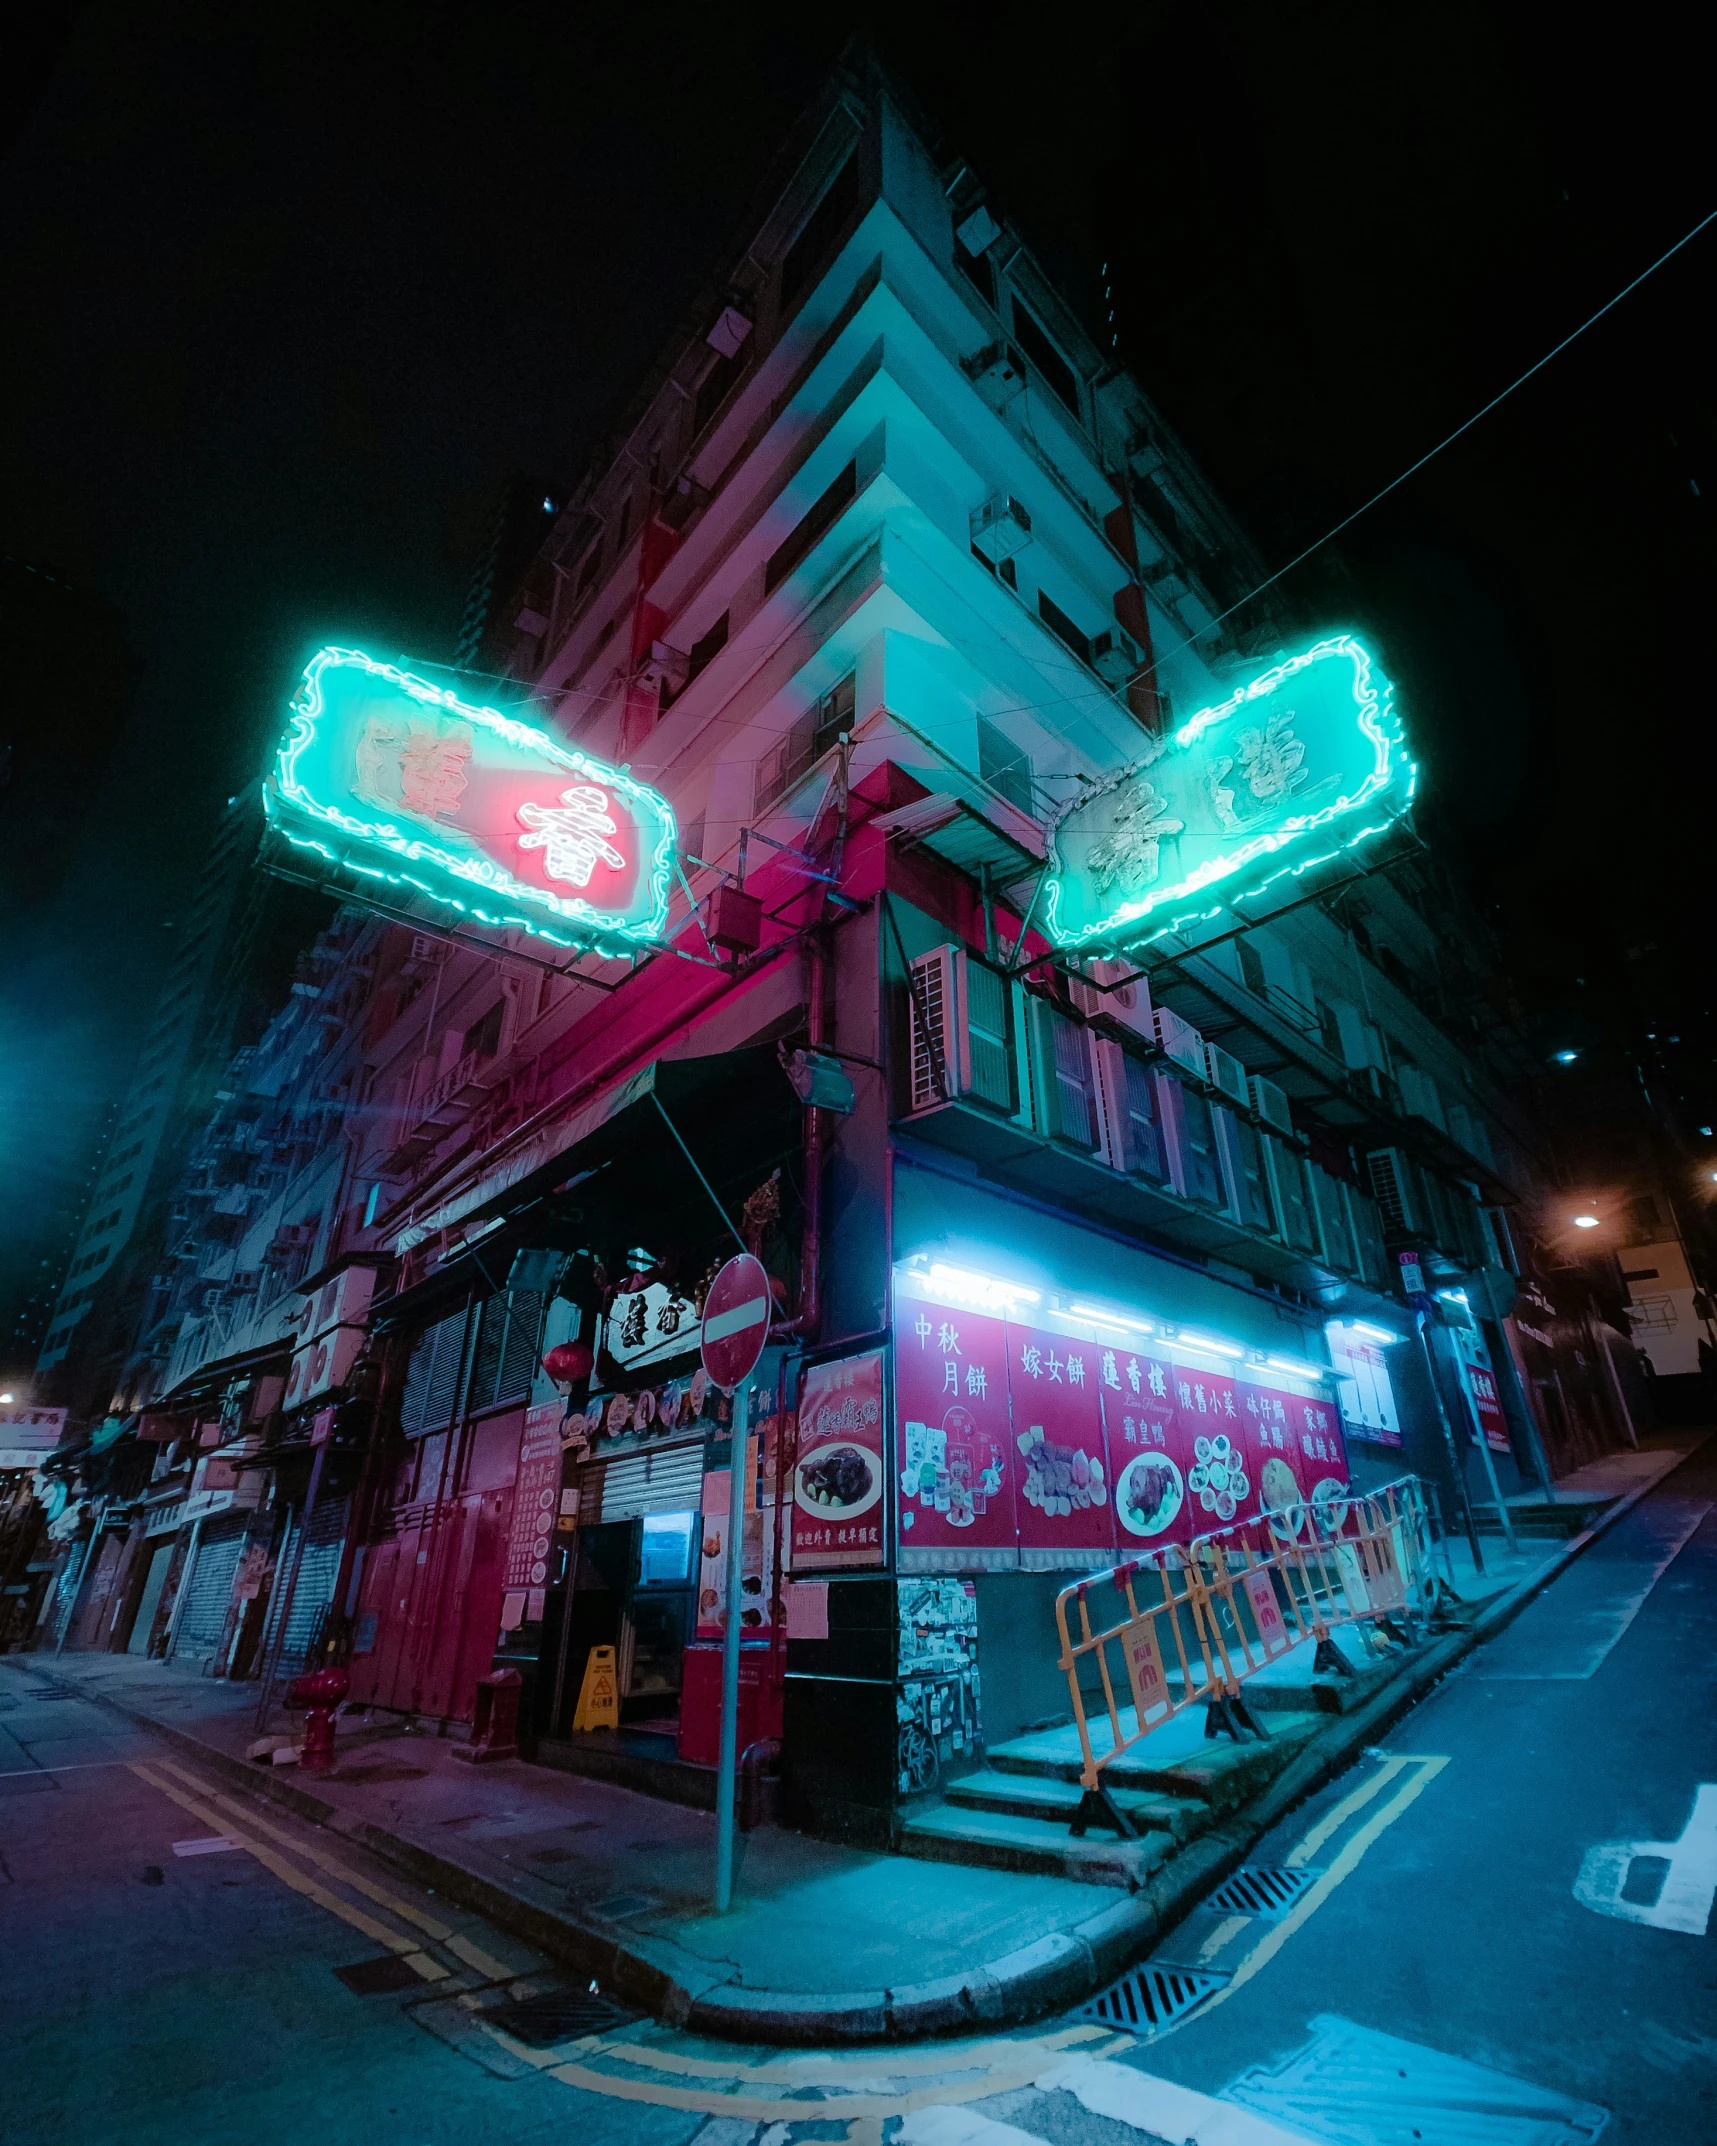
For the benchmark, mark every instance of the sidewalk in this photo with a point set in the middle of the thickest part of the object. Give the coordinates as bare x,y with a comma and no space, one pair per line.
824,1943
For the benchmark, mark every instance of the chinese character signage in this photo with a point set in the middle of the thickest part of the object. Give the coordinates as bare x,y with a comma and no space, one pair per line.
956,1457
1480,1380
1063,1504
536,1498
839,1512
1294,1450
1148,1453
1302,762
495,818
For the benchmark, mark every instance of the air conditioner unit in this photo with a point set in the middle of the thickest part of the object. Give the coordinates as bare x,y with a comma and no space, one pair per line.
1000,527
1131,1093
995,367
1270,1103
1116,1006
1223,1070
1179,1039
1330,1205
1367,1226
1391,1174
664,668
1064,1077
1374,1082
962,1023
1419,1095
1285,1168
1195,1165
1114,657
1241,1147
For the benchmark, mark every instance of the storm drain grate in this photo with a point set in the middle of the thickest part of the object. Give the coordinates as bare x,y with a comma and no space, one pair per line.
1152,1996
1265,1890
375,1978
560,2016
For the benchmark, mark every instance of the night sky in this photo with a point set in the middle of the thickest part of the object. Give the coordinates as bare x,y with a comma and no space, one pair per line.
290,293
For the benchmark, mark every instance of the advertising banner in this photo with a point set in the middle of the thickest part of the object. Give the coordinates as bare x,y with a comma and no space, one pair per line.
958,1463
1219,1478
1367,1397
1272,1447
536,1498
1474,1360
1149,1456
839,1511
1063,1502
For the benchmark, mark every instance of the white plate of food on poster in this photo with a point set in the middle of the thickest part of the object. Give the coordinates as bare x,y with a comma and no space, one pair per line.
838,1480
1329,1501
1149,1492
1279,1490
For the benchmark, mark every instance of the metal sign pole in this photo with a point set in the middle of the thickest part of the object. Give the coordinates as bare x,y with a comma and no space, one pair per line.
727,1765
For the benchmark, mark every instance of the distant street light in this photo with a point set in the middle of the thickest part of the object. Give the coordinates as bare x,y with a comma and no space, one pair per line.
1566,1058
4,1398
1585,1221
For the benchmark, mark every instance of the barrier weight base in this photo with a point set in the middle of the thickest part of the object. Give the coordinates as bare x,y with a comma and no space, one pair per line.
1098,1808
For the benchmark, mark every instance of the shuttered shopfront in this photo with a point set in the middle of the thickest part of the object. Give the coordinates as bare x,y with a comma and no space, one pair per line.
314,1591
209,1594
658,1480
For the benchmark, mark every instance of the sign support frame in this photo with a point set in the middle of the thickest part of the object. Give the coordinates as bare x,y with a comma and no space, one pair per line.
727,1763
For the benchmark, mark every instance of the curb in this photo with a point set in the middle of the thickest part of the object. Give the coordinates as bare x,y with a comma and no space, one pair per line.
1055,1971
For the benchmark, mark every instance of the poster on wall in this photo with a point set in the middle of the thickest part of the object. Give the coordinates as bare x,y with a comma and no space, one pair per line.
1367,1397
1146,1451
839,1511
536,1498
1295,1449
1063,1502
1480,1380
757,1552
956,1456
1221,1487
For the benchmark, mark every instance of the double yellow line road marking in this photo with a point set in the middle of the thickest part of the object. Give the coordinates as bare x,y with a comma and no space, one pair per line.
266,1842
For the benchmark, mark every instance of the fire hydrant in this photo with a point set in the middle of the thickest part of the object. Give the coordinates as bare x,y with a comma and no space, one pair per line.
320,1692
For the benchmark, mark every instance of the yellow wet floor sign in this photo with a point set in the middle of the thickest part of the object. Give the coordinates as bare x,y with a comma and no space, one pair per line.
599,1694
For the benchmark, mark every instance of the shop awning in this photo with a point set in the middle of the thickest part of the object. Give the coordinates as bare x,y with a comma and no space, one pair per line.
735,1110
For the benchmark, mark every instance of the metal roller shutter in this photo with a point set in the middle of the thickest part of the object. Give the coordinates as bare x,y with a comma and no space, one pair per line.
317,1573
657,1481
219,1549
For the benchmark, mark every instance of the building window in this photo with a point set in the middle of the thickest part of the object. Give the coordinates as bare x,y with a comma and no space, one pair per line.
1034,341
714,388
811,529
588,572
483,1038
821,228
811,736
691,841
1251,966
1062,626
705,650
978,273
1004,767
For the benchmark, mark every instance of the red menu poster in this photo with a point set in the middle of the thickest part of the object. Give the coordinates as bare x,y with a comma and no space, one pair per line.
536,1497
956,1455
1272,1449
1219,1480
1148,1457
1063,1496
840,1475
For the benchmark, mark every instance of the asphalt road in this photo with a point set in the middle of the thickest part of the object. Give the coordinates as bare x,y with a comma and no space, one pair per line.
1495,1930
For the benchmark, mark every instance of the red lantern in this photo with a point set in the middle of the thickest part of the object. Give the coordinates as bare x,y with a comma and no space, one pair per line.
569,1363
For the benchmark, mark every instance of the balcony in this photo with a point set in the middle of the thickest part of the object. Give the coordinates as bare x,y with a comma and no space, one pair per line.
444,1106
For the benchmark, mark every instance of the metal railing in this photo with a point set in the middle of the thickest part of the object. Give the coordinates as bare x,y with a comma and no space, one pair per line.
1197,1620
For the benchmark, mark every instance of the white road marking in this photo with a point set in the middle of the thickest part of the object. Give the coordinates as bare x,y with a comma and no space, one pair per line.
209,1844
954,2126
1146,2103
1575,1644
17,1773
1689,1884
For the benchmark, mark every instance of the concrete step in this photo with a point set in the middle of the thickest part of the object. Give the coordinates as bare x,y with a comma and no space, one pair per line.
1039,1847
1023,1795
1176,1760
1543,1518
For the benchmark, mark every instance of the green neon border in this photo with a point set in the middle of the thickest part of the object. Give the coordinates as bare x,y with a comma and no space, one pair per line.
590,926
1377,719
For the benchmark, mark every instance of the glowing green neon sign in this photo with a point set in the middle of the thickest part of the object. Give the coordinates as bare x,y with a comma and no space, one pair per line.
1301,763
398,779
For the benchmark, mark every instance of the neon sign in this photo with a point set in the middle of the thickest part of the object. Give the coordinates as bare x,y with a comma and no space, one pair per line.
397,779
1301,763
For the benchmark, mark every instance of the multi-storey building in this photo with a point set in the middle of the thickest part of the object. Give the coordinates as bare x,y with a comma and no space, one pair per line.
891,566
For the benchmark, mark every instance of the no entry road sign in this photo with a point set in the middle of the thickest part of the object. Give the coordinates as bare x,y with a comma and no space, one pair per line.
736,1321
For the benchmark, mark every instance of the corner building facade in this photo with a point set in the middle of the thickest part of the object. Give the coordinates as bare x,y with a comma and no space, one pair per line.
889,563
